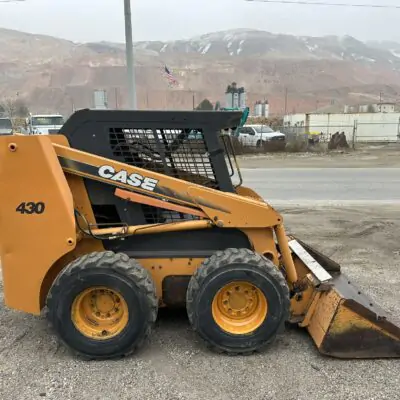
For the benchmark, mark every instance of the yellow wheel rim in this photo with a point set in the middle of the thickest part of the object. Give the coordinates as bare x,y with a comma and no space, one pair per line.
99,313
239,308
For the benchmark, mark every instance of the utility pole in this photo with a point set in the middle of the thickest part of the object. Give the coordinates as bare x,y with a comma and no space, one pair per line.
286,95
116,98
129,55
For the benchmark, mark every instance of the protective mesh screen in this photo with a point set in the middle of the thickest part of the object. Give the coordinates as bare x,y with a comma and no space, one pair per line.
179,153
174,152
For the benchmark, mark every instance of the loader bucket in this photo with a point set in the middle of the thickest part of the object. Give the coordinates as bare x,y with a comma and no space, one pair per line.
347,324
344,322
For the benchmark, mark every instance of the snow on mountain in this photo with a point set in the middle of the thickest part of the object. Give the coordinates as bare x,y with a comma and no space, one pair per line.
250,43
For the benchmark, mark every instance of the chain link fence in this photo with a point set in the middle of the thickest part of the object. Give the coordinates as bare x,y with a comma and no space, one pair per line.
319,138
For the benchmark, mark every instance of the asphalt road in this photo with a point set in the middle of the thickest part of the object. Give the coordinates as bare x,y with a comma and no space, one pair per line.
328,185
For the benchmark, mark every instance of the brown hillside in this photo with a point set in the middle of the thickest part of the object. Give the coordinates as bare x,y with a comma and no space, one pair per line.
52,74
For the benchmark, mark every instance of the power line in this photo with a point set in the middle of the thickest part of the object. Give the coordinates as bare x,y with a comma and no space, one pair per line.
321,3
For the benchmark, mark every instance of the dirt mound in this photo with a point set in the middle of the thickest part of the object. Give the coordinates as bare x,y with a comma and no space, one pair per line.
368,228
338,141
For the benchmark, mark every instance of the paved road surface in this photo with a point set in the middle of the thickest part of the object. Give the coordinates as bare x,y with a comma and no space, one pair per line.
328,185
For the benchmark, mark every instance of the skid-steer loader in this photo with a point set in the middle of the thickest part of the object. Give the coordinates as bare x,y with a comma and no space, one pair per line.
124,212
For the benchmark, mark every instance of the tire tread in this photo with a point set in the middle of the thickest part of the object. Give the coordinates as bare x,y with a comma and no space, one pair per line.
117,262
230,256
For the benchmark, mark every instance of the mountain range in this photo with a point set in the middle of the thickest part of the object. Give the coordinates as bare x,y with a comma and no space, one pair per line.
296,73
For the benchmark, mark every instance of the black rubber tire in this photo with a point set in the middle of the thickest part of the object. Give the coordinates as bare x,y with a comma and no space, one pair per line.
118,272
215,272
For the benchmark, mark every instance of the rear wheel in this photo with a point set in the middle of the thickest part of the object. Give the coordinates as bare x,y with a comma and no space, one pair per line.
102,305
238,301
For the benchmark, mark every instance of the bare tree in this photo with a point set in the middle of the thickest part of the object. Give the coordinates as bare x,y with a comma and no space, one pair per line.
9,106
13,108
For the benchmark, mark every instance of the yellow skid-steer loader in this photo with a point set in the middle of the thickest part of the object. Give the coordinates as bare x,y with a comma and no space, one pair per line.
124,212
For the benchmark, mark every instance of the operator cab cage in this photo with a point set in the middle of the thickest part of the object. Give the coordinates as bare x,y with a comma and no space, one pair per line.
188,145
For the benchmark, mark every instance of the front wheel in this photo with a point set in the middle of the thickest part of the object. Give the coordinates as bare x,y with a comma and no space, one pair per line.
237,301
102,305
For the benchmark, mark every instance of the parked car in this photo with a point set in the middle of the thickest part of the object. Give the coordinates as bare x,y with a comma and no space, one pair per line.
258,135
6,127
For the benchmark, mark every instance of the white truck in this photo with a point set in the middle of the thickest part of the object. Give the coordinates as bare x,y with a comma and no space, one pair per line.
258,135
44,124
6,127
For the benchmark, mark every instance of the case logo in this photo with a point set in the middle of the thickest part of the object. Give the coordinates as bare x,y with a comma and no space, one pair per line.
135,180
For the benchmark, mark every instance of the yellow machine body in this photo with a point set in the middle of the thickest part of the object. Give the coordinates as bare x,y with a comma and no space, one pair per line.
39,237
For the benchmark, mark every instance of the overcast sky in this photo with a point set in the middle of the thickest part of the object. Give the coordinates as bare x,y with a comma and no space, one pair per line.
95,20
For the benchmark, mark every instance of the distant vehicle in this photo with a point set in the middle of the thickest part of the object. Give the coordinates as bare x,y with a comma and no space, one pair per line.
44,124
6,127
195,135
258,135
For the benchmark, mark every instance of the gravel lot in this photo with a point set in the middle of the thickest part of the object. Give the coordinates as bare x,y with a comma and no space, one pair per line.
175,365
365,156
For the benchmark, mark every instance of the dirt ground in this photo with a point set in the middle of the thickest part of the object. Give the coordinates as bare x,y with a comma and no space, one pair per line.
175,365
371,156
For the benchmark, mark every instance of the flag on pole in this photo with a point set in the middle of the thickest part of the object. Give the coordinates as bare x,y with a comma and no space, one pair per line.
172,81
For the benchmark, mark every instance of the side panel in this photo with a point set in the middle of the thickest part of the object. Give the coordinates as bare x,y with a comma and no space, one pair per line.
185,244
34,235
162,268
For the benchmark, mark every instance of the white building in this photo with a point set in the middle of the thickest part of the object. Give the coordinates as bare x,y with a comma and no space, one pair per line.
371,108
235,97
261,109
100,101
367,127
242,100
